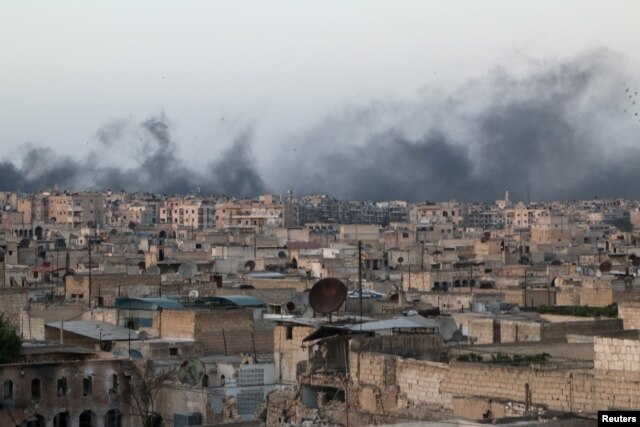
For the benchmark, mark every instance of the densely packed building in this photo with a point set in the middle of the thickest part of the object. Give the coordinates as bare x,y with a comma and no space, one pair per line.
197,310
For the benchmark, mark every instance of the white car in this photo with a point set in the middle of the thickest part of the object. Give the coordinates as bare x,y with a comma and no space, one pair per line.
366,293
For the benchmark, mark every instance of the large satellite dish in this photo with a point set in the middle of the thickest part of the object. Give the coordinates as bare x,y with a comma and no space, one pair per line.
250,265
191,372
605,267
327,295
193,294
187,270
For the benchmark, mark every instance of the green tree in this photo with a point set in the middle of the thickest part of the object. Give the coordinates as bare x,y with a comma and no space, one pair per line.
10,343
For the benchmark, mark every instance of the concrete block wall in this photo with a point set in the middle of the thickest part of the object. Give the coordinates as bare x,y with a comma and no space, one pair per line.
629,312
289,353
419,382
560,390
519,331
372,369
613,354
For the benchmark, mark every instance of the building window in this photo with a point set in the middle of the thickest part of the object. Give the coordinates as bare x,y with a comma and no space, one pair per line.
36,388
8,390
289,332
87,386
115,383
62,387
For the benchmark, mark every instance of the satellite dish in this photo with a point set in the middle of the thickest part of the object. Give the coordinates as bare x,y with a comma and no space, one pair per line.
598,273
154,270
327,295
578,269
191,372
282,254
400,260
290,306
194,293
557,282
187,270
605,267
250,265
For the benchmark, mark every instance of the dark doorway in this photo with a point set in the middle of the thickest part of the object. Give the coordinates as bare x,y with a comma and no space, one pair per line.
113,418
87,419
61,420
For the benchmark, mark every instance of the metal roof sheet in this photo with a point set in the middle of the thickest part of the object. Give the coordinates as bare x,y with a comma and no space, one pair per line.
97,330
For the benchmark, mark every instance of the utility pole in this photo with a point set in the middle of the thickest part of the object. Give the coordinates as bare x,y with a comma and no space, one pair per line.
360,278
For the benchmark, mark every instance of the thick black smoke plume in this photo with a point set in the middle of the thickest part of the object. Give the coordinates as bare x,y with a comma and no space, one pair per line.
157,165
560,130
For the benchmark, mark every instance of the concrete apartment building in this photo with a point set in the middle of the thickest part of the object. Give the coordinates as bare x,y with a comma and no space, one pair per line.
266,212
76,209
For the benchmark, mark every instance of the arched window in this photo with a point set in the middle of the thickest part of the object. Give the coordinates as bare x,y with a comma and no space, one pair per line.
62,419
87,419
113,418
115,383
8,390
62,387
36,389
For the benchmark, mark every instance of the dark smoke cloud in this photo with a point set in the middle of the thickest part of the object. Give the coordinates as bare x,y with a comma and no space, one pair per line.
157,166
554,131
558,132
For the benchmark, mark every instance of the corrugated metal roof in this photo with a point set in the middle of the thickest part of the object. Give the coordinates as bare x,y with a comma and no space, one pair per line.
97,330
233,301
147,304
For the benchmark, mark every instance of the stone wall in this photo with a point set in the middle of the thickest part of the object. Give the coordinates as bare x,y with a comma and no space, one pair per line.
519,331
559,330
629,312
561,390
614,354
216,331
419,383
12,301
288,351
108,286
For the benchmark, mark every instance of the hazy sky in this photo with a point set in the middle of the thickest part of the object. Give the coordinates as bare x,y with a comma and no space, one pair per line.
281,67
